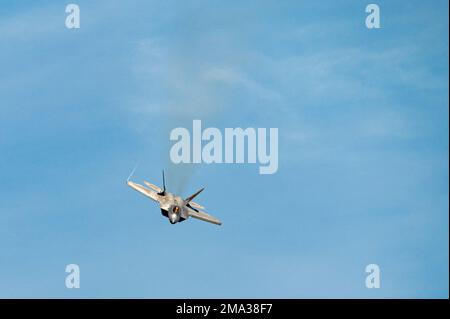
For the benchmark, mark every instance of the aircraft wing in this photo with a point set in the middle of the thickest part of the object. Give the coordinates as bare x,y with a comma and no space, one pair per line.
141,189
204,216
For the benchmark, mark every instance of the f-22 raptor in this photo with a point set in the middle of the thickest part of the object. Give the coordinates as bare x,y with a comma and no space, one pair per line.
175,208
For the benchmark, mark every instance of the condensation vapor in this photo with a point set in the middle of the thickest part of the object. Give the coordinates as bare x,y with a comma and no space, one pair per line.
176,88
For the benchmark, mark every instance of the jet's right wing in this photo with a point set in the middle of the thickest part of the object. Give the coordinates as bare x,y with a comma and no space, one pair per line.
141,189
204,216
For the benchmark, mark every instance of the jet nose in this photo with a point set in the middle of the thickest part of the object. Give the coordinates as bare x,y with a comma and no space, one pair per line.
173,218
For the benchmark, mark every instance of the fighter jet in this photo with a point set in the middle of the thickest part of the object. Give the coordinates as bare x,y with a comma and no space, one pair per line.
175,208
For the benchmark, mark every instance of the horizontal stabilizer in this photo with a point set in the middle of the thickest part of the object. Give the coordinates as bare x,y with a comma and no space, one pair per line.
195,205
152,186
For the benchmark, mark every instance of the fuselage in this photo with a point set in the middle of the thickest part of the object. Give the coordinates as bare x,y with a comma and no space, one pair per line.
173,207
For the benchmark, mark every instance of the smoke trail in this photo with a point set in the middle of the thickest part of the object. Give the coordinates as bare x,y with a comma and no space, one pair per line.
185,74
174,92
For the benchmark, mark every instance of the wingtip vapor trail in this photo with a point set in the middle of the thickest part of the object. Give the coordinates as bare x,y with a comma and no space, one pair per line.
132,172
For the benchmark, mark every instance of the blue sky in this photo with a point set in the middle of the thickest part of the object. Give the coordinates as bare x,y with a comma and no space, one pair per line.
363,148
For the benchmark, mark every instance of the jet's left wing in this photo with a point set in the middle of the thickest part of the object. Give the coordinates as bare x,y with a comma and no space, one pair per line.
141,189
204,216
